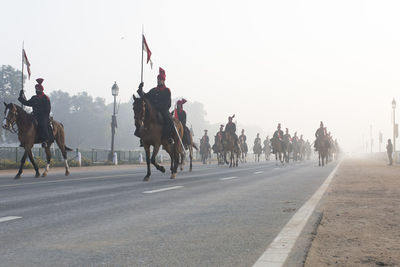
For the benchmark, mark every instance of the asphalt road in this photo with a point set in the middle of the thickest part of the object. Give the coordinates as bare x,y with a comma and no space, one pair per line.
214,216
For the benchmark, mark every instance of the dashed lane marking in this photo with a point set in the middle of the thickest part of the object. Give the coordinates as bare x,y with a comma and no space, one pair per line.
278,251
162,189
228,178
9,218
258,172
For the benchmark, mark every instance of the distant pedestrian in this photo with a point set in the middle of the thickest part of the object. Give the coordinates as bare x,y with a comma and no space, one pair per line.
389,149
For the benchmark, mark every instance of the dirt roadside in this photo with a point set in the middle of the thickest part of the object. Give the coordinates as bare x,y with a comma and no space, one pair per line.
360,225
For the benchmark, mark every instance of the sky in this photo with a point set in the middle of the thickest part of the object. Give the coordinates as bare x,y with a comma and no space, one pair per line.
291,62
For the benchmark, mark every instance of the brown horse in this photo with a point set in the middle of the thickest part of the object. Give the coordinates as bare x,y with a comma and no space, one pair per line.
27,135
150,124
322,146
230,146
278,149
218,148
190,147
205,151
244,149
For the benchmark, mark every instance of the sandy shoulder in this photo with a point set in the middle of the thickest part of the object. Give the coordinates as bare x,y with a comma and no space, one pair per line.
361,217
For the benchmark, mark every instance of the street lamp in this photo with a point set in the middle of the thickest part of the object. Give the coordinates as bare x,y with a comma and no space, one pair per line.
394,128
114,91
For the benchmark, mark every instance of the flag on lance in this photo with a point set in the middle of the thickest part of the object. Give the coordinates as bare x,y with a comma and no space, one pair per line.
147,50
26,62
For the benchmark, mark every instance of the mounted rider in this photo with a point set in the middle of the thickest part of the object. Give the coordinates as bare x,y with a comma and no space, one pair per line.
218,138
243,137
231,129
160,98
41,108
320,133
257,141
205,139
180,114
278,133
286,137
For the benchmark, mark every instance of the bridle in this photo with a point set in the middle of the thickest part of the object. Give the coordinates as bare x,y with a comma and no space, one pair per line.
9,123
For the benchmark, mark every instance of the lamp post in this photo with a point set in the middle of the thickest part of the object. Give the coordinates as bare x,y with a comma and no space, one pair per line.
394,128
114,91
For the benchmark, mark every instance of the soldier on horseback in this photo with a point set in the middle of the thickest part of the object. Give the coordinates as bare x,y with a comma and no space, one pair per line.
257,141
180,114
41,107
160,97
278,133
319,134
231,129
286,137
243,137
205,139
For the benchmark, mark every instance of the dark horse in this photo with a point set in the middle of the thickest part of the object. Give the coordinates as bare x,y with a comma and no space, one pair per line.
27,135
322,145
205,151
218,148
278,149
189,147
151,129
230,146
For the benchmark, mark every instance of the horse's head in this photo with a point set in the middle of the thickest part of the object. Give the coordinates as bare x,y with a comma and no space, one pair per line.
139,110
10,116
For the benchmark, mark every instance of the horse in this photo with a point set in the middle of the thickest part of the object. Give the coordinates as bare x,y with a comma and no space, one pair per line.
204,151
296,150
27,135
243,149
218,148
267,149
278,149
230,146
188,147
257,150
322,146
150,124
287,149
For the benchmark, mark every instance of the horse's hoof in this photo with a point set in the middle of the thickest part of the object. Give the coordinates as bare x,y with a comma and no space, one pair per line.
66,173
173,175
146,178
17,176
162,169
44,174
37,175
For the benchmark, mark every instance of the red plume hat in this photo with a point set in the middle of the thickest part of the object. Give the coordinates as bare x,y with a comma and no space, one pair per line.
39,86
161,74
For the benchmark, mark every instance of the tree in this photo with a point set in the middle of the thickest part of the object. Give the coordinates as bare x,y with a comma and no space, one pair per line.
10,85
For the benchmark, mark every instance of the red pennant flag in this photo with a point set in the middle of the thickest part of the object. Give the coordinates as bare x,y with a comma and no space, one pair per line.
147,50
176,114
26,62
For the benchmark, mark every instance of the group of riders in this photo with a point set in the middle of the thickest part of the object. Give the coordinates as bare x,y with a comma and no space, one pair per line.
226,141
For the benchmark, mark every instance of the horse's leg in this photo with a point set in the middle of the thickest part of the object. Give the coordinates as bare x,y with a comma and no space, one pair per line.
319,159
48,158
156,148
147,150
30,155
64,154
190,157
23,159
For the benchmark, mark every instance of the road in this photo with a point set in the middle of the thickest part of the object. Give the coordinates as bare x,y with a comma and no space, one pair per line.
214,216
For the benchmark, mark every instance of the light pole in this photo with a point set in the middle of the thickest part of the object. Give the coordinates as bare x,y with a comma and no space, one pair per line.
114,91
394,128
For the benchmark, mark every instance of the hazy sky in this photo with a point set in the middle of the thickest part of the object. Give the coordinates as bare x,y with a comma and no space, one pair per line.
294,62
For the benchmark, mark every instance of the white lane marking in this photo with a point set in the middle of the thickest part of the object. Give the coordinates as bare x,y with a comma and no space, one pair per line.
9,218
228,178
278,251
68,180
162,189
259,172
